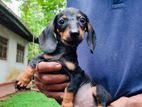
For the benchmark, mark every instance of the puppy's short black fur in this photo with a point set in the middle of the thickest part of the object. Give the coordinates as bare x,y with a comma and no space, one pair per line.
59,42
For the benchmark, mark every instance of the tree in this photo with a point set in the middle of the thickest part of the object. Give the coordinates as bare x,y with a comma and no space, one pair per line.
37,14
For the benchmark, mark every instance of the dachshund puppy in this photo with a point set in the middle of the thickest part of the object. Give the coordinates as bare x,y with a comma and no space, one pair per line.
59,43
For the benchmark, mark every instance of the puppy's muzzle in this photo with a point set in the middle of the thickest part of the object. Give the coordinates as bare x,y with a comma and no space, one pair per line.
74,35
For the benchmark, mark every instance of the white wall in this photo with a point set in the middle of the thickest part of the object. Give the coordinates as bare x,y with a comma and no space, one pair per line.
10,68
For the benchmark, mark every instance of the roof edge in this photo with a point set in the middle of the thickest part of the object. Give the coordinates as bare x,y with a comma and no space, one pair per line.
16,20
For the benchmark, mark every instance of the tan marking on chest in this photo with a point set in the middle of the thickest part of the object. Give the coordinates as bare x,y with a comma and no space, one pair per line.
46,56
71,66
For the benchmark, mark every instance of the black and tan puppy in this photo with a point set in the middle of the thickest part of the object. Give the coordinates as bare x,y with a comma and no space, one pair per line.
59,42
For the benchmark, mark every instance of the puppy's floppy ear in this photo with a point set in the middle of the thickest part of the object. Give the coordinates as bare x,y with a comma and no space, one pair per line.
91,37
47,40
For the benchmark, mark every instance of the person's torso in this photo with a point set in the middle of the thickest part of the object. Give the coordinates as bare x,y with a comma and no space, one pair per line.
116,62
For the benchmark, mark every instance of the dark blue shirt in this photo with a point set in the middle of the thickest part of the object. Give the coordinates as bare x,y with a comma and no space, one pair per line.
117,60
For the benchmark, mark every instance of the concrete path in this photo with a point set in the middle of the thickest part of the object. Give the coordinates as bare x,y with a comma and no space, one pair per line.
7,88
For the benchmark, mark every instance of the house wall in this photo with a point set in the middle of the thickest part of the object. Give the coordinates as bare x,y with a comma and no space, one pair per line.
9,69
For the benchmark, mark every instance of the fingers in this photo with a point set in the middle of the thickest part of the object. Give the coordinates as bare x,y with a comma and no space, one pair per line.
53,88
49,81
53,91
52,78
57,95
48,67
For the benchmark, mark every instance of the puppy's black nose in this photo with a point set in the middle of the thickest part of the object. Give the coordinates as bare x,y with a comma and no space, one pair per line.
74,35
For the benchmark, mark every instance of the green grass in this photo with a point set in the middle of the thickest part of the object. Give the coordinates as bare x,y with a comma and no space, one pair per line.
29,99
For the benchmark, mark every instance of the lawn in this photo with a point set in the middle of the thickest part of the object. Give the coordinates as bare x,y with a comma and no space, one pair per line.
29,99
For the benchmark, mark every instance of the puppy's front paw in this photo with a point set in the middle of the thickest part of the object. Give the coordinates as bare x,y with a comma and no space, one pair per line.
22,82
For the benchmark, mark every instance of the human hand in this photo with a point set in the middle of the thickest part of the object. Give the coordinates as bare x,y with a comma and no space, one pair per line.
134,101
50,81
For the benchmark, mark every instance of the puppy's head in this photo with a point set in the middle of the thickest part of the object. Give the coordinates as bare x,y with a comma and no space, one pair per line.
69,27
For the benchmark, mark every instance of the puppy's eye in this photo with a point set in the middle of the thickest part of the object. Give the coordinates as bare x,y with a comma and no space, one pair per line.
61,21
82,20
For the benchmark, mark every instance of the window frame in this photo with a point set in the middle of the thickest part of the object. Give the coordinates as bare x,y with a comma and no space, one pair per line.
3,48
20,53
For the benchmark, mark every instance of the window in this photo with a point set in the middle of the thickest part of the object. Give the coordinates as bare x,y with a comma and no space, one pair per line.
3,48
20,53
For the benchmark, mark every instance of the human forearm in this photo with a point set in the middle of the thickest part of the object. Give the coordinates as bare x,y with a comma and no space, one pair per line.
134,101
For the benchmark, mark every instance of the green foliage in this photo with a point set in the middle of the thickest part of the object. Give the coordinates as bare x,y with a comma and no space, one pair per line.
7,1
29,99
37,14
